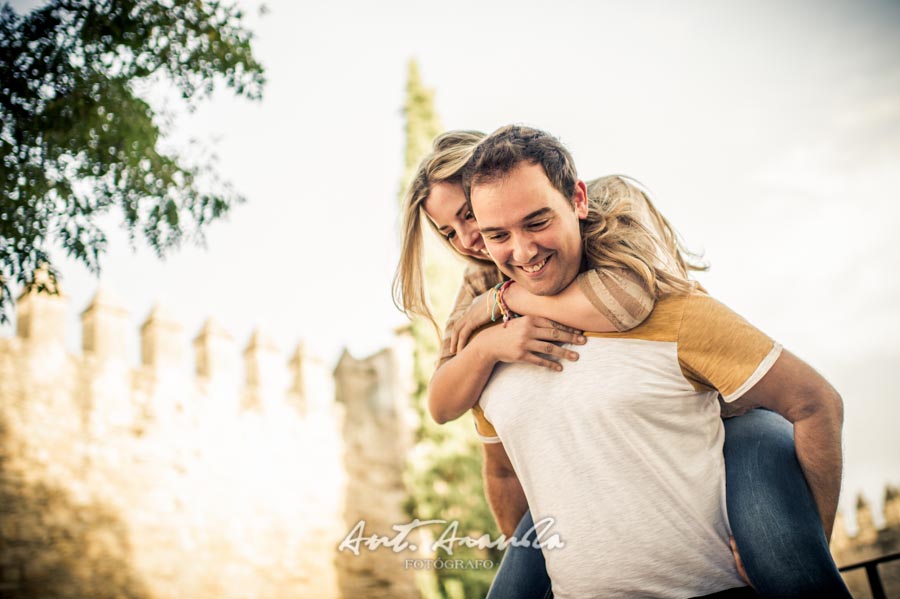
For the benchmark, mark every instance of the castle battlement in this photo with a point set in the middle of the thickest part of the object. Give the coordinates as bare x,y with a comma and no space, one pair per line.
161,479
869,542
271,380
867,534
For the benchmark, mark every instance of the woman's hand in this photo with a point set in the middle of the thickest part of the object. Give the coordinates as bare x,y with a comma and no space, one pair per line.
530,339
476,315
458,382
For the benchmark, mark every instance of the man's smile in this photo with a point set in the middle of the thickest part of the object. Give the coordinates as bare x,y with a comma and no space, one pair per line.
535,268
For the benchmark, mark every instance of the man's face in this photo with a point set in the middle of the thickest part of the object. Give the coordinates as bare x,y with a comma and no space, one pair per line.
530,229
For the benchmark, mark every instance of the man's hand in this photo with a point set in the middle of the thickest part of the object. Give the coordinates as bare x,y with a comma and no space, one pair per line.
739,564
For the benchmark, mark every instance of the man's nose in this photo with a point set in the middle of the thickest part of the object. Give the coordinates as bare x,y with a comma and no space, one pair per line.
524,249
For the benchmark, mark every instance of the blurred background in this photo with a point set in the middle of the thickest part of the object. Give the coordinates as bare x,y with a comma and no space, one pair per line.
769,134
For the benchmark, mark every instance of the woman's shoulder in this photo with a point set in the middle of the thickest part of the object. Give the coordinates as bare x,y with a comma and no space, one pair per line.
479,278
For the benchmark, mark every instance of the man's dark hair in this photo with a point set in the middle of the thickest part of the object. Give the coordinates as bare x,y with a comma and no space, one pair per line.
504,149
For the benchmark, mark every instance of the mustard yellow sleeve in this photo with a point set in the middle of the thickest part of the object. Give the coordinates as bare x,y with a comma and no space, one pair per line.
719,350
483,427
618,294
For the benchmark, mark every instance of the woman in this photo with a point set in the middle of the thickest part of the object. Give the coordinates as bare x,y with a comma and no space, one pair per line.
770,508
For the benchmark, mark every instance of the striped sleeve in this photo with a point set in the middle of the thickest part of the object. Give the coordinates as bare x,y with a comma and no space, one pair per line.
483,427
476,281
618,295
719,350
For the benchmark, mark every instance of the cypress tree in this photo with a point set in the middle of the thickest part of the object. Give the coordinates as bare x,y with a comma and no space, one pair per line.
444,473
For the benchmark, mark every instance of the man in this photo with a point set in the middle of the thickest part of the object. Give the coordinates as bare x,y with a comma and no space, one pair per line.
628,457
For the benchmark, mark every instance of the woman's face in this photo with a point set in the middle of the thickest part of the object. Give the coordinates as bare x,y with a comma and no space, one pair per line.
446,207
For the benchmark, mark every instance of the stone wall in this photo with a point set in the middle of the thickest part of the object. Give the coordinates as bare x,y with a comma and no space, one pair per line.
156,481
375,490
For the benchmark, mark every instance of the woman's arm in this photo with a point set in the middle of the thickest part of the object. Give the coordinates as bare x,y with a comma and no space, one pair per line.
602,300
570,307
457,383
598,300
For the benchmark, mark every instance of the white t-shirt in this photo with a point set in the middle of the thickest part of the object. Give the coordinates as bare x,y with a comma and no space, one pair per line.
624,450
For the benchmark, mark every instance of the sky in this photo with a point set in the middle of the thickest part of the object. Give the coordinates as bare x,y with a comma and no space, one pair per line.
769,133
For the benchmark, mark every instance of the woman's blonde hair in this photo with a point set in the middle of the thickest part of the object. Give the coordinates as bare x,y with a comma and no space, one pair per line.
449,154
623,229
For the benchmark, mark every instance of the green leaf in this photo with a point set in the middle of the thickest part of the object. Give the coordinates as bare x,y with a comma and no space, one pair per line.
76,140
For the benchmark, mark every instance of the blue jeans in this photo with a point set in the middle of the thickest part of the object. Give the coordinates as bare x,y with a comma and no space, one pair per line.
522,573
773,517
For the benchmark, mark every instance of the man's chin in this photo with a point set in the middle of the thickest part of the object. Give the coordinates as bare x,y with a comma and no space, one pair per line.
545,289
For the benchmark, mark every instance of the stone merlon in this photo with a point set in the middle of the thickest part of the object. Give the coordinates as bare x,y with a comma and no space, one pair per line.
105,326
215,351
162,344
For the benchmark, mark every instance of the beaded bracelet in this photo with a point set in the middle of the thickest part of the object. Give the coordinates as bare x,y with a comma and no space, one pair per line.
494,301
504,308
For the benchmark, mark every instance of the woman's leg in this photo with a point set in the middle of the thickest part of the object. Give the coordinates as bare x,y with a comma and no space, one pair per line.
773,515
522,573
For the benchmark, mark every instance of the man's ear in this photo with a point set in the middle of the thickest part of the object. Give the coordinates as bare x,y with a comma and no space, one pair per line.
580,200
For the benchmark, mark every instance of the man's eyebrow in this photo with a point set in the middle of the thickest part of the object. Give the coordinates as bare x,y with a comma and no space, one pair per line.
528,217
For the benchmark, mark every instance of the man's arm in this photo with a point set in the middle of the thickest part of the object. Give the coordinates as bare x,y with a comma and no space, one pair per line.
801,395
503,489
